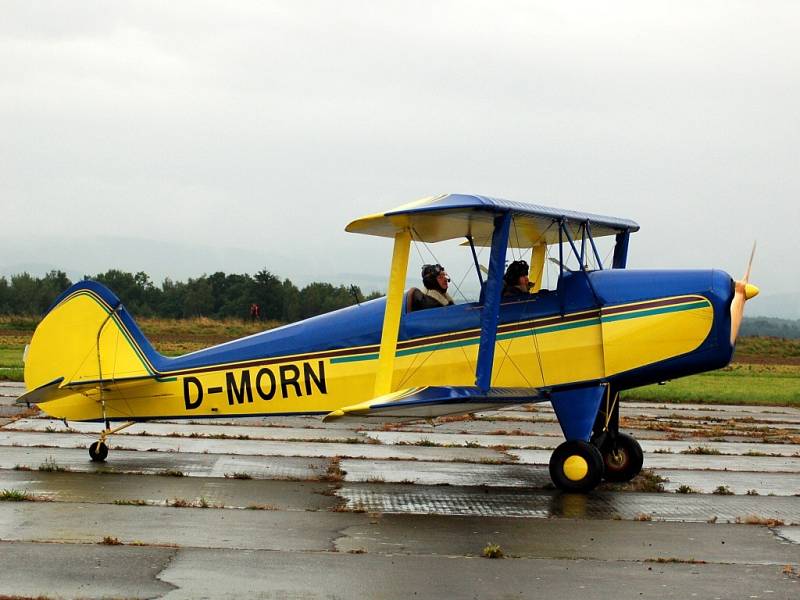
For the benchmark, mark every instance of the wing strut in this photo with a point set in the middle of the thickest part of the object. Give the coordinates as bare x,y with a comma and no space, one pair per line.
392,313
490,315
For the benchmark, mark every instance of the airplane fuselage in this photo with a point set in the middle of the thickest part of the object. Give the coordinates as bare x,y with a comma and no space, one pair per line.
625,327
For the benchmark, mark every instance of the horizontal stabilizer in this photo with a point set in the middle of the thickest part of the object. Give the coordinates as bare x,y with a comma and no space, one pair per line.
437,401
43,393
58,389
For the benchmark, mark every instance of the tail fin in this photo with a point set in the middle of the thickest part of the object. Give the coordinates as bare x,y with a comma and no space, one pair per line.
87,336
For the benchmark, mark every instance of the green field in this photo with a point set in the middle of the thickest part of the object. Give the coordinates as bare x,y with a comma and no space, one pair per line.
765,370
767,384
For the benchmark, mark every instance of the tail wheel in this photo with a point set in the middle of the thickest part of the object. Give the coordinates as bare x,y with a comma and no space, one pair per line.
98,451
576,466
622,458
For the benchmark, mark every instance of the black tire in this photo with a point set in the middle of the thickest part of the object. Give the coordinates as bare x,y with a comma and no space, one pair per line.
576,466
98,452
622,458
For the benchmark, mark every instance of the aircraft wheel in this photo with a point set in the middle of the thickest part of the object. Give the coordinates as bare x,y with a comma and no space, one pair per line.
98,451
576,466
622,458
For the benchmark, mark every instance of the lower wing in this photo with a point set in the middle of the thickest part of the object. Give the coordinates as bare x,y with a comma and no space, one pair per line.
436,401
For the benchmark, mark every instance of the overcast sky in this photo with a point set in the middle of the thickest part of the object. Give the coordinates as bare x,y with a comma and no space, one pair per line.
184,137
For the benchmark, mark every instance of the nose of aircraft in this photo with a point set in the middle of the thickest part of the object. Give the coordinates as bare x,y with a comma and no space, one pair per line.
750,291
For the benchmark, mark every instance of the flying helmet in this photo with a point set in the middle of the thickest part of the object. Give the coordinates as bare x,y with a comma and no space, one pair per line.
429,275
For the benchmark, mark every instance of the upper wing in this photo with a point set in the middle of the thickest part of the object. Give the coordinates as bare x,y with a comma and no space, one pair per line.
437,401
453,216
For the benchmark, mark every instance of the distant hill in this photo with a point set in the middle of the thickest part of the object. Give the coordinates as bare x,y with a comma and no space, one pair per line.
771,327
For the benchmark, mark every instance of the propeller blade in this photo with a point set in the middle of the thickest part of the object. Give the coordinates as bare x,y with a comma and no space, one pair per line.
743,291
737,309
750,264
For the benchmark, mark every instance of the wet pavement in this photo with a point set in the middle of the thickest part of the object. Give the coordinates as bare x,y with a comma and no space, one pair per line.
291,508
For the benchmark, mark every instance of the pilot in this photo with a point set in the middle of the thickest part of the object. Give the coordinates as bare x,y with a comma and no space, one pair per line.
516,282
436,282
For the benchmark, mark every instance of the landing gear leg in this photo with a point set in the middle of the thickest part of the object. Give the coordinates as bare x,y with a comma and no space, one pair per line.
622,454
98,451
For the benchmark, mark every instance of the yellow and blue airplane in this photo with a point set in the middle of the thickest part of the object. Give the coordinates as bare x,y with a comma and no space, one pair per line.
600,332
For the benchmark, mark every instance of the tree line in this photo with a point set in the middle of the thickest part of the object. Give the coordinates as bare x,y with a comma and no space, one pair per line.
218,295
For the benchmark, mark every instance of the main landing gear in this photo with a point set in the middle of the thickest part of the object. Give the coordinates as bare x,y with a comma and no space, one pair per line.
578,466
98,451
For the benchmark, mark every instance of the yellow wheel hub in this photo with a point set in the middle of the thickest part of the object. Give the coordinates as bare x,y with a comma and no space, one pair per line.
576,468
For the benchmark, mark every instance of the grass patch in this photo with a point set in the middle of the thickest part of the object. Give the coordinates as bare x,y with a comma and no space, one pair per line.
758,384
722,490
128,502
685,489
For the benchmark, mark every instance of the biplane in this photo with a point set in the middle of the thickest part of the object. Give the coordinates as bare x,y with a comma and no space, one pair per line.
601,330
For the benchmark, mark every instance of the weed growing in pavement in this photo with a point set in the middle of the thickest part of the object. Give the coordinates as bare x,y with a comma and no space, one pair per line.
172,473
51,466
685,489
261,507
752,493
334,472
110,541
756,520
130,502
14,496
202,502
646,481
722,490
643,517
22,468
492,551
238,475
672,559
357,507
701,450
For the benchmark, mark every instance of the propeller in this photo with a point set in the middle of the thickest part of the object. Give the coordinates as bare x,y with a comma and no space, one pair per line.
743,291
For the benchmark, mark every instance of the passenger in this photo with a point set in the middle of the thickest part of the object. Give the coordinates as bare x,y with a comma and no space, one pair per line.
516,282
436,281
